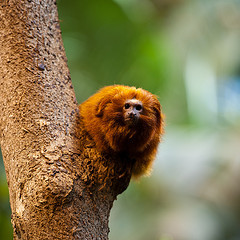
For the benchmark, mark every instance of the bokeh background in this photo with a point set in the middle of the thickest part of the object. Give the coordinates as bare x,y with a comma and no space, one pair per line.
188,53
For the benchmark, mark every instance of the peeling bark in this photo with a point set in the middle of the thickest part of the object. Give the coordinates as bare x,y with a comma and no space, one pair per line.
60,187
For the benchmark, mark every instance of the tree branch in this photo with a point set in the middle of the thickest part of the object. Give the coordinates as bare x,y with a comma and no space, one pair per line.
60,187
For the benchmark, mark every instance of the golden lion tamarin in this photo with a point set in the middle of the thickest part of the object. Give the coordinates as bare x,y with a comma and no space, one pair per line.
125,120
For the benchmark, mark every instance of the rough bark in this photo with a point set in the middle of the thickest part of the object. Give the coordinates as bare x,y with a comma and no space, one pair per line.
60,187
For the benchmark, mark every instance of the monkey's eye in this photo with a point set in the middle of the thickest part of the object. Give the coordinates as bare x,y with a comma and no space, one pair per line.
139,107
127,105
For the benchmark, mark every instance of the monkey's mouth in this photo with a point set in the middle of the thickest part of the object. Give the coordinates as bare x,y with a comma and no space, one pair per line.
131,120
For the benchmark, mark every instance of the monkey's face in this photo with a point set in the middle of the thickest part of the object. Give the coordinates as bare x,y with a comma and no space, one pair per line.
130,118
132,110
123,118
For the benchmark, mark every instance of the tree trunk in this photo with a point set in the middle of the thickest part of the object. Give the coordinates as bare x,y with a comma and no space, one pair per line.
60,187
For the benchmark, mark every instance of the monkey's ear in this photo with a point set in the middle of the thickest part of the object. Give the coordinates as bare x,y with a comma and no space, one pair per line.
101,106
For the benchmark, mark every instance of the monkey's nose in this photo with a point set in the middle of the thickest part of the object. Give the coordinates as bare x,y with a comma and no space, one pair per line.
131,118
132,114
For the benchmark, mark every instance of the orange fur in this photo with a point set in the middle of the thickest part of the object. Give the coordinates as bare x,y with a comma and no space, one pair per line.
104,120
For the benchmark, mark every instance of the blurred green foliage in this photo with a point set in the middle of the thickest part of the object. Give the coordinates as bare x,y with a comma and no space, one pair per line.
5,211
104,46
188,53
